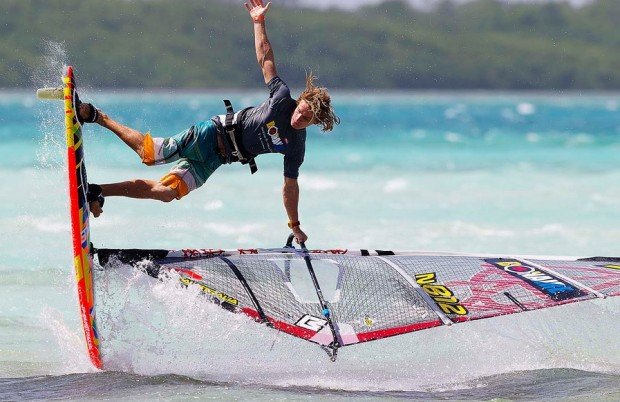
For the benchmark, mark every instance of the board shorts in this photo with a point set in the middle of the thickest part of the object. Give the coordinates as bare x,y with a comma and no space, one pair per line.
194,150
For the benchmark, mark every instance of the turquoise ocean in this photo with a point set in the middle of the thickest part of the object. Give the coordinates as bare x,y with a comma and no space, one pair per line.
475,172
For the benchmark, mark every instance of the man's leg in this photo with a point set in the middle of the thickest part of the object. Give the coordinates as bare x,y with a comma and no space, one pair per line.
144,189
139,188
175,185
185,176
131,137
200,143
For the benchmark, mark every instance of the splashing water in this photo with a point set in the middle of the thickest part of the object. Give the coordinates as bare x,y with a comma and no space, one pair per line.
54,61
508,185
51,147
154,327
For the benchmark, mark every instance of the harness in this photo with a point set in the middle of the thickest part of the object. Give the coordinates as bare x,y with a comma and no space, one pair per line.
232,139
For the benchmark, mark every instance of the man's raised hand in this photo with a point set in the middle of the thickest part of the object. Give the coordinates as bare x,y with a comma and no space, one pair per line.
257,10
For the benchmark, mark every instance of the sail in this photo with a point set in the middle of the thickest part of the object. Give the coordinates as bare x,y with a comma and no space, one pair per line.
371,295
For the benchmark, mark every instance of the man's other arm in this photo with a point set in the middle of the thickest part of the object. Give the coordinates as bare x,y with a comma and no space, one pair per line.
290,196
264,51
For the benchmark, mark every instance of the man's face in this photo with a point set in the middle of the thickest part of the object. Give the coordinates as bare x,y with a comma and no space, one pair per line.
302,116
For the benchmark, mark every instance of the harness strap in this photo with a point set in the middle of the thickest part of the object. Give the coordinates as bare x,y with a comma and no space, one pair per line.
233,136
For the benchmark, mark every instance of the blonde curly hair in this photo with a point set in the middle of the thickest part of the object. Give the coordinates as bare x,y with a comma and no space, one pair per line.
319,101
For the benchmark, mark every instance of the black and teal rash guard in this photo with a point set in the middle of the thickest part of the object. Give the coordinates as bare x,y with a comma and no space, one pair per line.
267,128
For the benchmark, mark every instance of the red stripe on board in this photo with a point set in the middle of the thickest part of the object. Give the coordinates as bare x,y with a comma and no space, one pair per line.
74,204
76,233
91,340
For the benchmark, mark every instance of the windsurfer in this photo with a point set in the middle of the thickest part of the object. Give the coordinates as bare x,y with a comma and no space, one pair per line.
276,126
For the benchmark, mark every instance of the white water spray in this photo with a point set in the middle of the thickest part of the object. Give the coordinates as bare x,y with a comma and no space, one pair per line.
151,327
50,153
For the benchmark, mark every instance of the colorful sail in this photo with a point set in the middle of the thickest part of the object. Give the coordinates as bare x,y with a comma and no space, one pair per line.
377,294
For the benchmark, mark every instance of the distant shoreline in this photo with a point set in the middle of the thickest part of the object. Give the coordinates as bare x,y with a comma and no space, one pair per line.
335,91
478,45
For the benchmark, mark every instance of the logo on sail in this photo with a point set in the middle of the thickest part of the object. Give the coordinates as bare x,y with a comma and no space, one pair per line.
311,322
444,297
552,286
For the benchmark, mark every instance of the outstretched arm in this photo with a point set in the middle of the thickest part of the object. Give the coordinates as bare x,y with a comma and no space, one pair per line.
290,195
264,52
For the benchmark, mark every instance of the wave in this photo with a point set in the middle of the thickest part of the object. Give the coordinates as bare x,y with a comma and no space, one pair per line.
153,327
555,384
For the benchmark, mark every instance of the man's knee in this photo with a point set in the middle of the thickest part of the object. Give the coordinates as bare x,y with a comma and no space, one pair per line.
165,193
173,187
168,197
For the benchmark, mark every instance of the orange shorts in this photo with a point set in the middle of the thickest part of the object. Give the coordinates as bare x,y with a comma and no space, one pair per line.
195,152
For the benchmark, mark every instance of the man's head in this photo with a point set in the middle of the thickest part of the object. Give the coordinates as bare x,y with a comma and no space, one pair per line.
314,107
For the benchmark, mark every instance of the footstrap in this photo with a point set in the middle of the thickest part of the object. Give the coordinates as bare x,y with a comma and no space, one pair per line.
93,193
93,113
